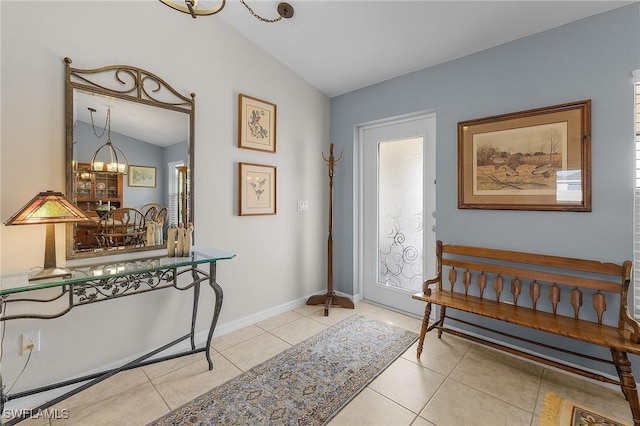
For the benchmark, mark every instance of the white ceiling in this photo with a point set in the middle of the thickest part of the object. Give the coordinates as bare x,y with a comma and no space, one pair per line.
153,125
340,46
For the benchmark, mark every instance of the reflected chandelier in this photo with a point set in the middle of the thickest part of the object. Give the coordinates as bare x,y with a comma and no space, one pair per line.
113,165
285,10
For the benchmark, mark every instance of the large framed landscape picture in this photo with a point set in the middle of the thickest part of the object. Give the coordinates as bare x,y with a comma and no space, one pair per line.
144,176
539,159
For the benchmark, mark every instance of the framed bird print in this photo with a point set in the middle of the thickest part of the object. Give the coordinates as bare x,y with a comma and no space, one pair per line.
256,124
538,159
257,189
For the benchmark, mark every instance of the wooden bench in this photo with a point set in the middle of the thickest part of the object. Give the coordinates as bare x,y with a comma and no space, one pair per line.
490,283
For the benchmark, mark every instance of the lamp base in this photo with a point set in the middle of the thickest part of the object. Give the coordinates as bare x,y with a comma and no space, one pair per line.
49,273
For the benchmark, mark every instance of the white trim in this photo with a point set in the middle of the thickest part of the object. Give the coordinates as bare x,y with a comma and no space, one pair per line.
200,338
636,199
358,129
358,186
30,401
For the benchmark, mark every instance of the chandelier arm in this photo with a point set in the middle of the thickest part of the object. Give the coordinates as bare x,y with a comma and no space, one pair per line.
189,4
126,162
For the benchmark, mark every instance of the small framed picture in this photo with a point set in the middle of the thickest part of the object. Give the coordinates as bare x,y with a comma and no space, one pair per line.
143,176
257,189
256,124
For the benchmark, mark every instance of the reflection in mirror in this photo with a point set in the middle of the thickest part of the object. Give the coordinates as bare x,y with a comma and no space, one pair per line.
129,159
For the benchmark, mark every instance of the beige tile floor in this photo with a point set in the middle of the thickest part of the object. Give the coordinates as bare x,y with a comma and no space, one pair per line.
454,383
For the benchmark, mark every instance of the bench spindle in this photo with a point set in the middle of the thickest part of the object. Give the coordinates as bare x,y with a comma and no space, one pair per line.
482,283
534,293
453,277
497,286
599,304
554,297
516,289
466,280
576,301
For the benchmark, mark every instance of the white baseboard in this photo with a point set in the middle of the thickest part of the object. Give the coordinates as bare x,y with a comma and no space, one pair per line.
200,339
222,329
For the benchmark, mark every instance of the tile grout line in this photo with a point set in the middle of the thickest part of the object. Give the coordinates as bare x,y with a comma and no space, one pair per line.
157,391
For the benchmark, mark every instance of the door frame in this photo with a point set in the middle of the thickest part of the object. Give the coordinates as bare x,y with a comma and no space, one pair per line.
358,199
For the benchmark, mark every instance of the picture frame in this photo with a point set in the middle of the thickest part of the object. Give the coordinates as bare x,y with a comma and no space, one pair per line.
538,159
142,176
256,124
257,189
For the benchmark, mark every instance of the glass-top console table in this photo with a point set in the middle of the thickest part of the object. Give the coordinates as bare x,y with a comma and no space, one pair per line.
108,280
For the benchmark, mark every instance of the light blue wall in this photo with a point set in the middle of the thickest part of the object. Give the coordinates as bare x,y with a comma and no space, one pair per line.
589,59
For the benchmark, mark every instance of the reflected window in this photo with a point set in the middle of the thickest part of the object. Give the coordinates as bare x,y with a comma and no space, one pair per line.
174,192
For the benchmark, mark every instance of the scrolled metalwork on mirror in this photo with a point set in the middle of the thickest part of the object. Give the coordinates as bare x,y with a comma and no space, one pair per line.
134,197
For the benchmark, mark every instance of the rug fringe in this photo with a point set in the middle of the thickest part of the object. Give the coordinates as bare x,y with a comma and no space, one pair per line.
550,410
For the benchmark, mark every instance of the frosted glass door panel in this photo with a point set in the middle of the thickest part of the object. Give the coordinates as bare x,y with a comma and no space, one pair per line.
400,213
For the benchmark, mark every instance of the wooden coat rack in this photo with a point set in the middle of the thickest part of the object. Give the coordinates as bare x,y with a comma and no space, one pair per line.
330,298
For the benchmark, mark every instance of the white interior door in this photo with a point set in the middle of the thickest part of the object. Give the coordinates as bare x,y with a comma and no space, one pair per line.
397,211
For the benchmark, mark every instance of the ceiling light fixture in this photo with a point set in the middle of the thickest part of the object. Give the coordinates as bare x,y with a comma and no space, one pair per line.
197,8
113,165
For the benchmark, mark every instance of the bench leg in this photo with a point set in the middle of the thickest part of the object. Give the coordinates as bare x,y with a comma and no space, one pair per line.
443,311
627,383
423,330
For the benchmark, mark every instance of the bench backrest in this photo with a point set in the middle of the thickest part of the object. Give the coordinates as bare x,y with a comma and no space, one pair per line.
558,285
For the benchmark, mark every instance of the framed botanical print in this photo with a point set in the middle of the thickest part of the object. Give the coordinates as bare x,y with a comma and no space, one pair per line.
257,189
256,124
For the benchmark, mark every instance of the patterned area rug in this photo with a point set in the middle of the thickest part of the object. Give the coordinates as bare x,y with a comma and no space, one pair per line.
305,385
558,411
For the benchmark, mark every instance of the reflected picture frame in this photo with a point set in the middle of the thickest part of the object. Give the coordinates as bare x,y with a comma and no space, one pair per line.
142,176
537,159
257,189
256,124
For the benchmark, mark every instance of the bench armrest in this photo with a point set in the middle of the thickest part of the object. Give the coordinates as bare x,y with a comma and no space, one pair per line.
425,285
630,325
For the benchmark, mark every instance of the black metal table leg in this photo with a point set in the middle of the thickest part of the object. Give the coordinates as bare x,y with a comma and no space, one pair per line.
216,313
194,313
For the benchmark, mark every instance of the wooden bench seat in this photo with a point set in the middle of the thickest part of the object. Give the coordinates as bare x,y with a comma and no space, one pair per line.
579,299
585,331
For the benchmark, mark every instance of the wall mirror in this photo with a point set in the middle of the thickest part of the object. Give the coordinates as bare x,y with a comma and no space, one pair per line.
129,159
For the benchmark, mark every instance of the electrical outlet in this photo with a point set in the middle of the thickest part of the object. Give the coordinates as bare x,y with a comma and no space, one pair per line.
30,341
303,205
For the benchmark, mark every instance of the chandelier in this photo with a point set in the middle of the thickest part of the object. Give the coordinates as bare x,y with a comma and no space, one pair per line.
109,151
285,10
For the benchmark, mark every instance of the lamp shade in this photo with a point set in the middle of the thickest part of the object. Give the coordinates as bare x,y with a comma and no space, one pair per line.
47,207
